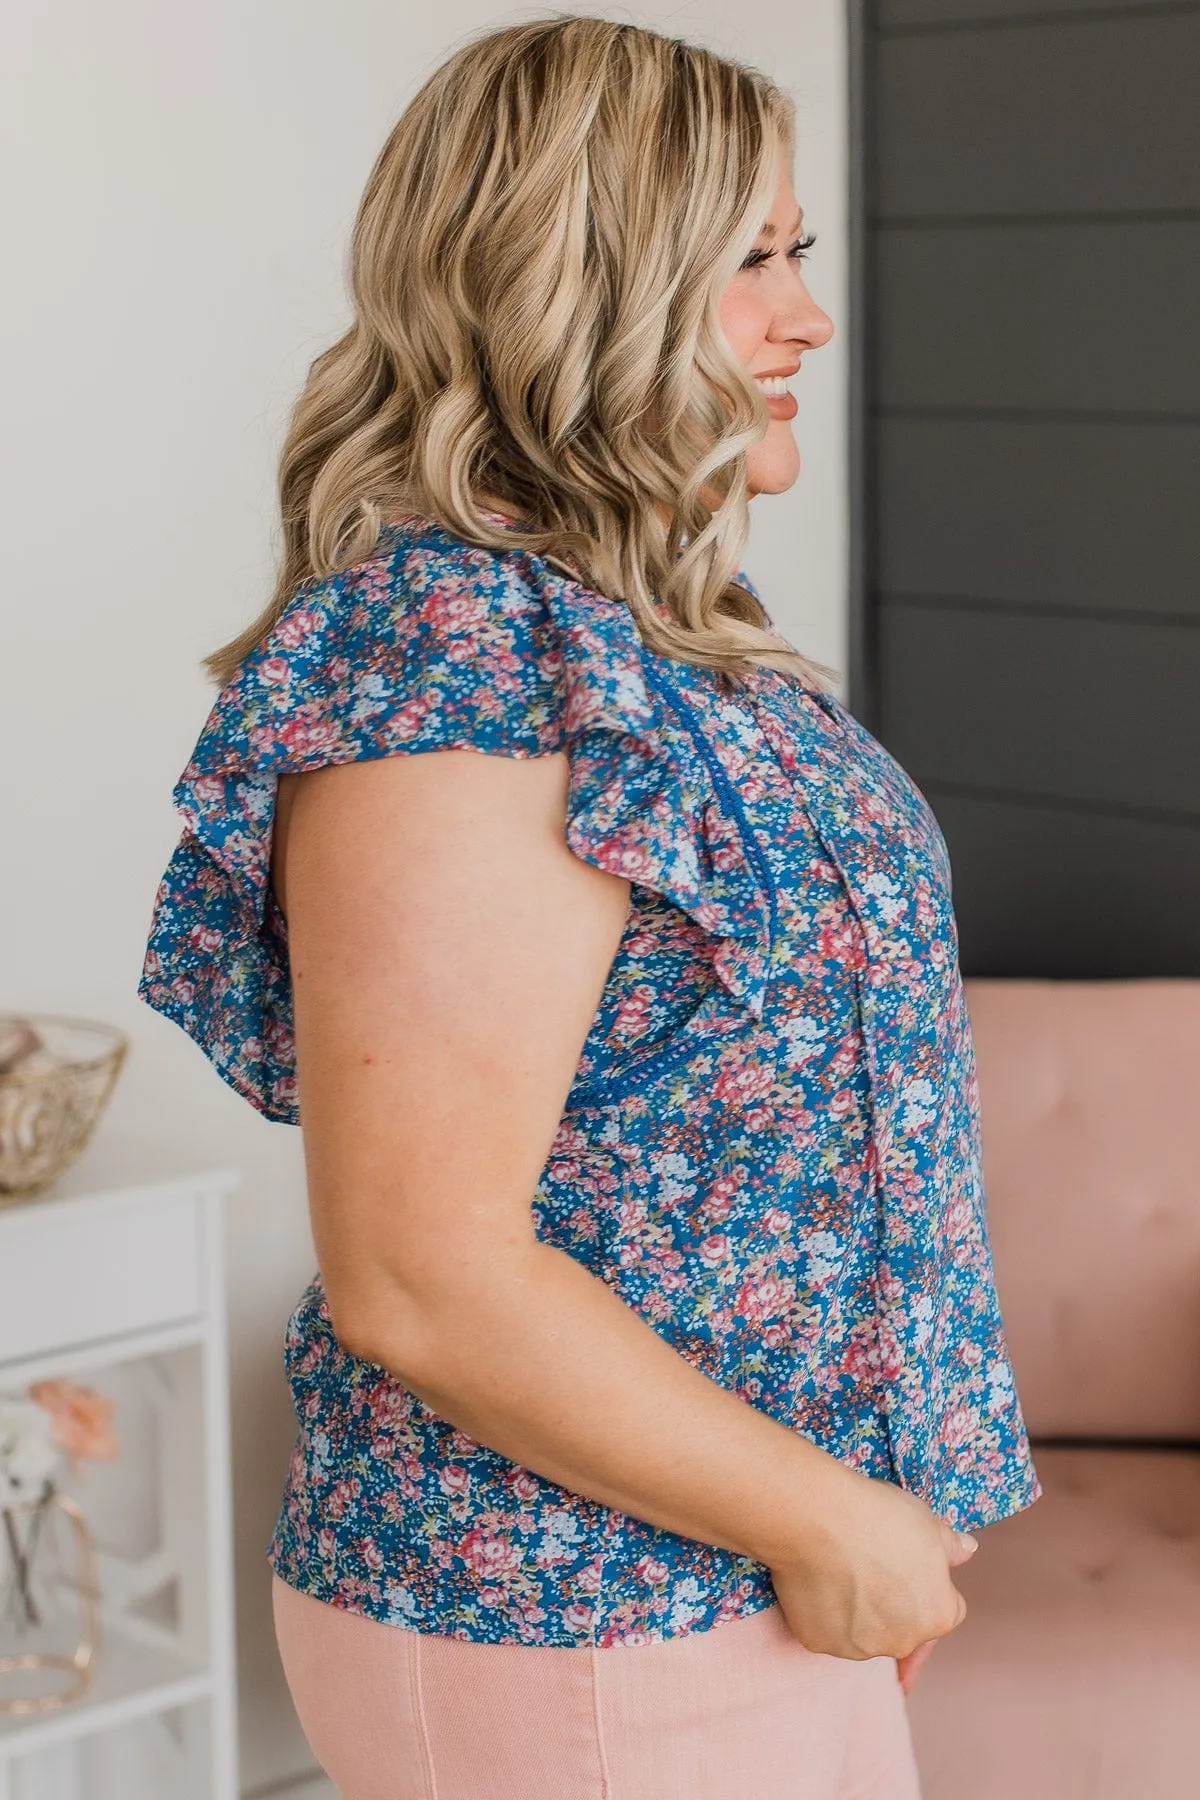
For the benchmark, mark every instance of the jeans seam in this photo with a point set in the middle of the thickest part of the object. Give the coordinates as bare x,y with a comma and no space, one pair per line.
418,1705
597,1721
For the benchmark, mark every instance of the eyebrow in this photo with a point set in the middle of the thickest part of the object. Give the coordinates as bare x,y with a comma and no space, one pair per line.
768,229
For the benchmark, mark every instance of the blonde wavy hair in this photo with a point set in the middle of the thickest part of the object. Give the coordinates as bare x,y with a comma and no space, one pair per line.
536,268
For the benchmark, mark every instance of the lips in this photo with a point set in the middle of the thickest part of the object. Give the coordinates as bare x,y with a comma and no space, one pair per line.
782,405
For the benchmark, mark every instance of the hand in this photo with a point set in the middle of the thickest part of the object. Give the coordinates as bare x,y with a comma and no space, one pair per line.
871,1574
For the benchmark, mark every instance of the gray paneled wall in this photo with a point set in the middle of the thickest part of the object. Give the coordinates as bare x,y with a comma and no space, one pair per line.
1030,464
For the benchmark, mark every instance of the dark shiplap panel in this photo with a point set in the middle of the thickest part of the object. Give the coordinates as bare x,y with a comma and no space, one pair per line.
1007,126
1032,466
1096,516
1098,711
1084,317
893,15
1051,892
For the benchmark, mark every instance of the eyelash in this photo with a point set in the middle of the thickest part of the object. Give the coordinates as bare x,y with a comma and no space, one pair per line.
757,257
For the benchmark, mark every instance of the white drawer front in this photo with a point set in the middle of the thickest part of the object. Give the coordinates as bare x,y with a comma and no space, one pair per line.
73,1271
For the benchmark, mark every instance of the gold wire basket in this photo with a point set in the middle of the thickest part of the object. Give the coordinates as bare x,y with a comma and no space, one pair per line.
56,1075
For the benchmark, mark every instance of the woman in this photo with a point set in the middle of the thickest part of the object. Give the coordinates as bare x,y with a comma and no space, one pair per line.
653,1376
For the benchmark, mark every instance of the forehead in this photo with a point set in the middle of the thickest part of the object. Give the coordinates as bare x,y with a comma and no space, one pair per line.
785,214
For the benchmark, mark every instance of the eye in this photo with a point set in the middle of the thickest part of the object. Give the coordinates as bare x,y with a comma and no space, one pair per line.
797,253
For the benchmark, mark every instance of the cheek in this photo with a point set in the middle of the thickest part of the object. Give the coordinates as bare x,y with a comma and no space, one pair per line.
744,322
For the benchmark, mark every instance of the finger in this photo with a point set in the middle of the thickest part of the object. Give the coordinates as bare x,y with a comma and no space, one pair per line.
962,1545
960,1613
907,1666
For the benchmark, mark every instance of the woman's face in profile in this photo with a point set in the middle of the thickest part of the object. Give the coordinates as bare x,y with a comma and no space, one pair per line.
770,320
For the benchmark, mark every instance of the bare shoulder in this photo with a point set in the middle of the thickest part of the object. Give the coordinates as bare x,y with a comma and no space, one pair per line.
453,807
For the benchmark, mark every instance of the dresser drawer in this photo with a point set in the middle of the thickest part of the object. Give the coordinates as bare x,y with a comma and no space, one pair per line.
74,1271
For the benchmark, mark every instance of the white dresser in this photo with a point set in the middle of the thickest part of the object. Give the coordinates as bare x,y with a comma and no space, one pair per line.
115,1279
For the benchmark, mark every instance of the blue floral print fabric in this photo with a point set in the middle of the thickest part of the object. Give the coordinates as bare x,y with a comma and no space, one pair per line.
771,1145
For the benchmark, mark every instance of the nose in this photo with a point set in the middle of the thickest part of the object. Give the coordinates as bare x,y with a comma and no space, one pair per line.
811,325
800,321
821,328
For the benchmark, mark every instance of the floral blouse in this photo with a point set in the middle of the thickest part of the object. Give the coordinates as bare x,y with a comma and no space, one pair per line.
771,1146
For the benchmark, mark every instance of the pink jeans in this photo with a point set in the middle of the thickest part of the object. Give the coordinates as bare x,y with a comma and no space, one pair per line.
739,1712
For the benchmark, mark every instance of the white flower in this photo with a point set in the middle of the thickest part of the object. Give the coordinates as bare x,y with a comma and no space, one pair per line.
885,891
805,1038
29,1451
1000,1388
402,1606
687,1603
825,1255
675,1174
920,1103
564,1527
631,692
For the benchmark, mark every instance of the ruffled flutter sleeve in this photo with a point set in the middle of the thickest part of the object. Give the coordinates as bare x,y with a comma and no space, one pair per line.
430,644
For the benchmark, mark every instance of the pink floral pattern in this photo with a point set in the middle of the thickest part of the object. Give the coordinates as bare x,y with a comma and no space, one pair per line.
771,1145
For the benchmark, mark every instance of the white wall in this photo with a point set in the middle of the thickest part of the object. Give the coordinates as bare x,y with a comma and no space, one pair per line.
181,186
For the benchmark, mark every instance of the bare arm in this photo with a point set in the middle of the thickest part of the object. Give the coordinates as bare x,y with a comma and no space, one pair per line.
448,954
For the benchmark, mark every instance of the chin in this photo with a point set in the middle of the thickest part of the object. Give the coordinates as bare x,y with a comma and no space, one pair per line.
771,468
775,479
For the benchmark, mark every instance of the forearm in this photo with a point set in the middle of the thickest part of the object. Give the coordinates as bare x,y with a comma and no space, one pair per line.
538,1359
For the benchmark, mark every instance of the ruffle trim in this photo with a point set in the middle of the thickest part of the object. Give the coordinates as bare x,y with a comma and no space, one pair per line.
639,809
642,805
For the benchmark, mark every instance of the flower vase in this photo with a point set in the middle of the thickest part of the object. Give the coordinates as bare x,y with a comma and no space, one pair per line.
49,1605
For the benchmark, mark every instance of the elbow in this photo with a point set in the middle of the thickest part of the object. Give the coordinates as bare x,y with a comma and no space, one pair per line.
417,1338
436,1333
377,1323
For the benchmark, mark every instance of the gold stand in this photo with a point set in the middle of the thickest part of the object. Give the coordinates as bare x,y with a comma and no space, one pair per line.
81,1667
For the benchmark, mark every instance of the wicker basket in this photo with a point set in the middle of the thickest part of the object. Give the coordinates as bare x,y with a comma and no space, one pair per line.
56,1075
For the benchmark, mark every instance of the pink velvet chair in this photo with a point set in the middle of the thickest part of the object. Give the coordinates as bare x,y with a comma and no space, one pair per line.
1076,1674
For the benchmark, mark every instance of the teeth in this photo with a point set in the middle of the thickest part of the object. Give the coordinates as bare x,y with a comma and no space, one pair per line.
773,386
